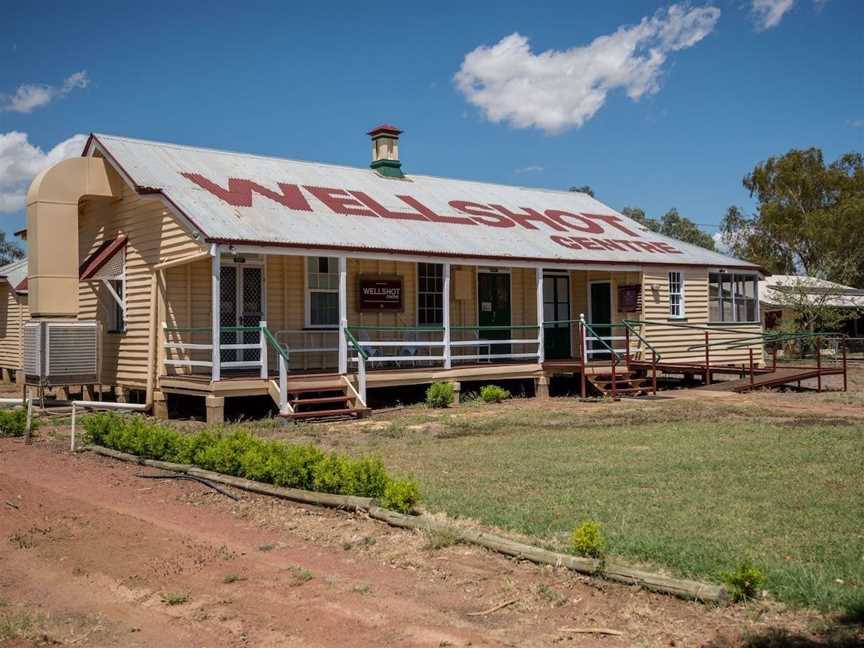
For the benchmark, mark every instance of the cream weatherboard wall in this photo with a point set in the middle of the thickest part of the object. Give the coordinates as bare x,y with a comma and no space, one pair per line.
13,314
154,236
673,342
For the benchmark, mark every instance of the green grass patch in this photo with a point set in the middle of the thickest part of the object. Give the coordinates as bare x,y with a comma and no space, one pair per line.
697,489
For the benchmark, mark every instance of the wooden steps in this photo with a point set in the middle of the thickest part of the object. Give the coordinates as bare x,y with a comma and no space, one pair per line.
626,383
323,401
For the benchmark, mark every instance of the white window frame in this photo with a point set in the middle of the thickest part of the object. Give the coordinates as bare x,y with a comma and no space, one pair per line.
307,294
425,292
674,277
750,276
117,300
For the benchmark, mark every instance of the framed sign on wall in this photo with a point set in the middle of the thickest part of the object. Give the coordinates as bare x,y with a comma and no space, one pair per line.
628,298
376,293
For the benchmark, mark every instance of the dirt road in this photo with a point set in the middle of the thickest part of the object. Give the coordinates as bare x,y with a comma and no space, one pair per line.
91,555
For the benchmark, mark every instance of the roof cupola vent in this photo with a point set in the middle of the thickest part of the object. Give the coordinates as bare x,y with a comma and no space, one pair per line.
385,151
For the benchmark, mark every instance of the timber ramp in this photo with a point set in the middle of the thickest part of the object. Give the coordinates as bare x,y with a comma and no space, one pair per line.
774,378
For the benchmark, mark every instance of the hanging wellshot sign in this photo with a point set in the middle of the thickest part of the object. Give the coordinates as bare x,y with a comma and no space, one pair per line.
379,293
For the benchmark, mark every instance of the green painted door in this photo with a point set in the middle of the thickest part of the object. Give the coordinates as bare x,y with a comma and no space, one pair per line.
556,307
600,313
493,296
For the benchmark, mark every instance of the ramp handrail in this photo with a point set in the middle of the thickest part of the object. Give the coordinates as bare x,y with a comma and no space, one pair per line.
283,358
362,357
632,329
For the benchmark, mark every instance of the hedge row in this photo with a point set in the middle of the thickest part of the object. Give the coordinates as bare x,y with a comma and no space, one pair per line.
13,423
242,454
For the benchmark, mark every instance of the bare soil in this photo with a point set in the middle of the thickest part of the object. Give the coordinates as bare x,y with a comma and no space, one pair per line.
92,555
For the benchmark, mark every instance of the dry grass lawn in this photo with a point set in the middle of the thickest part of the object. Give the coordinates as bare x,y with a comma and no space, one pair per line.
695,484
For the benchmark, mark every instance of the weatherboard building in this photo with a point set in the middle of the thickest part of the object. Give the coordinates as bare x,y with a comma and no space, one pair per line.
222,275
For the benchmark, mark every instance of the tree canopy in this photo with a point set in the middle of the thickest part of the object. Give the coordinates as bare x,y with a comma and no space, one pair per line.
9,250
809,218
672,224
586,189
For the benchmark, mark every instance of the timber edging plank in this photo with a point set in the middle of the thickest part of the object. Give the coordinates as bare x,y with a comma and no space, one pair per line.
618,572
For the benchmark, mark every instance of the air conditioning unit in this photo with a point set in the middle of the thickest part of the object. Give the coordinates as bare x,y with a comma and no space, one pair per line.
61,352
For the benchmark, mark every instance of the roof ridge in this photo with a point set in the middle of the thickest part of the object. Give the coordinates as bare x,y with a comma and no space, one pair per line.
259,156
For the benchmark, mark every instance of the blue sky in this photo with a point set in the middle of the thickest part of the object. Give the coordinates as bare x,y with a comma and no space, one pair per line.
707,91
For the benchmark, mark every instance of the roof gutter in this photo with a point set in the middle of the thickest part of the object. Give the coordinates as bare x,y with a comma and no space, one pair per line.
445,255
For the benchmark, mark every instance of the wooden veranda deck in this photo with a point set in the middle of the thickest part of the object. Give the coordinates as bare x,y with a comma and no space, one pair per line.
251,384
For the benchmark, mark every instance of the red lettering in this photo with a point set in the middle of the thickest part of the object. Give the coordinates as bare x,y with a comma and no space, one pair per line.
339,201
529,215
611,245
665,247
587,243
566,241
382,211
629,244
645,245
561,217
614,221
431,215
481,214
239,192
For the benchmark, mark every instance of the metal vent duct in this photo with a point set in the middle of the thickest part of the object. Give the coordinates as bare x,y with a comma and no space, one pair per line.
61,352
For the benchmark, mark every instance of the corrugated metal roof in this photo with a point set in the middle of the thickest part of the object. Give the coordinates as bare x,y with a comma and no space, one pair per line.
792,290
16,274
240,198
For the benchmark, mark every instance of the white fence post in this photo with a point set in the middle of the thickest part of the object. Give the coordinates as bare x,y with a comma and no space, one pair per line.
445,319
584,336
27,427
361,375
283,385
72,442
343,314
263,342
215,308
541,334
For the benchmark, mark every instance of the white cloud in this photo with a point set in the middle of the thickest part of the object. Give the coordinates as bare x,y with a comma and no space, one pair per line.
719,243
769,13
30,96
856,123
559,89
21,161
531,168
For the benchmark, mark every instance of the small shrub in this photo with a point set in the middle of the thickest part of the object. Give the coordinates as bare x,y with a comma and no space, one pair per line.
587,540
332,474
294,466
240,453
13,422
175,598
299,576
369,477
440,395
232,578
401,495
493,394
745,582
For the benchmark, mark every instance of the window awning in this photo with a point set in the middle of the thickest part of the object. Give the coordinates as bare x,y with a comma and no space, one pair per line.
105,262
